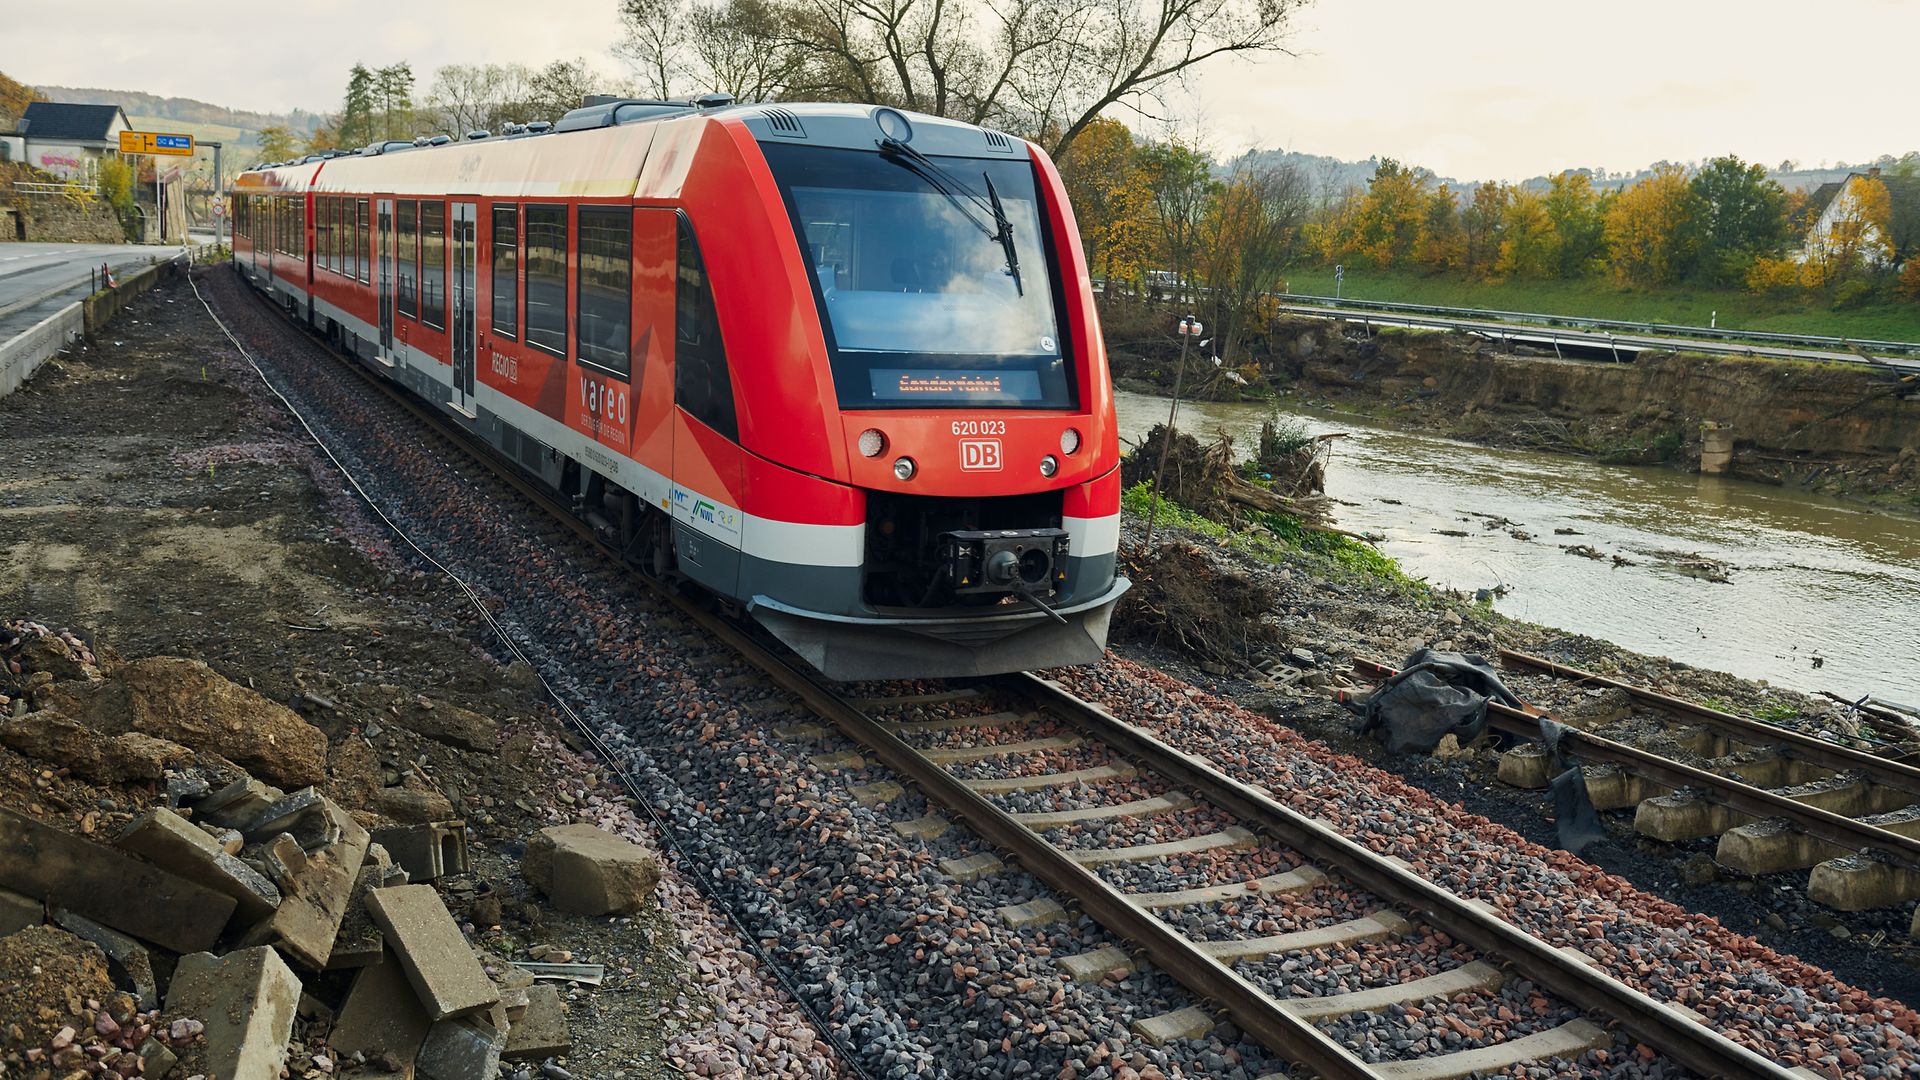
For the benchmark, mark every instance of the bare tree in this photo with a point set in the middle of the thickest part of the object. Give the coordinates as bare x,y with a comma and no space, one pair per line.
559,87
1042,68
1249,237
656,43
744,51
466,97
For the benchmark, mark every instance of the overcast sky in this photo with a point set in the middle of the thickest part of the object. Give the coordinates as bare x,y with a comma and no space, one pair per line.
1476,89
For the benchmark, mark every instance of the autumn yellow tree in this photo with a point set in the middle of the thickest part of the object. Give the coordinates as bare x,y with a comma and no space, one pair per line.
1249,235
1529,248
1385,227
1480,223
1647,228
1095,168
1857,238
1126,238
1440,242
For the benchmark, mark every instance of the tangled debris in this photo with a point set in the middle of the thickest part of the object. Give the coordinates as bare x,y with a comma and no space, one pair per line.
1286,476
1186,599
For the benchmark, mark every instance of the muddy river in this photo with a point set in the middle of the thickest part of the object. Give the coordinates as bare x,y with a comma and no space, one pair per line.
1813,581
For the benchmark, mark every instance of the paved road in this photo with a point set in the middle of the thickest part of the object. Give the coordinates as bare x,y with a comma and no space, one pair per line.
28,272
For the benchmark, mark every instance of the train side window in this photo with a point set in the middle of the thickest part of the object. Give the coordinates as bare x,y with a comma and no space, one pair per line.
702,384
328,257
365,232
546,277
407,254
336,233
506,270
433,264
604,287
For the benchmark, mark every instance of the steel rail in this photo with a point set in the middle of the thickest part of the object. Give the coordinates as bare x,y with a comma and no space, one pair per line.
1562,971
1795,744
1836,829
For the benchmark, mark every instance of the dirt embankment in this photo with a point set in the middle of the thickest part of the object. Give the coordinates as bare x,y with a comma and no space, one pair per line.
235,619
1833,428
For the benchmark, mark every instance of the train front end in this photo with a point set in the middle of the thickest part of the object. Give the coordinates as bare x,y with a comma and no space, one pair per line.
963,358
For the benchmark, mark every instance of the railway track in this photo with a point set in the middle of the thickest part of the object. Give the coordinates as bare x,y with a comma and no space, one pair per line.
1778,800
1027,718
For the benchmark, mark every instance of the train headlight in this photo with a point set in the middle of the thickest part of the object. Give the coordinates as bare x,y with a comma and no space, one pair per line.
873,442
1049,465
904,468
1070,441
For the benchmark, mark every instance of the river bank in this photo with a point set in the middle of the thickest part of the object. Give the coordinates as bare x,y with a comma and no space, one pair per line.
1830,429
1807,577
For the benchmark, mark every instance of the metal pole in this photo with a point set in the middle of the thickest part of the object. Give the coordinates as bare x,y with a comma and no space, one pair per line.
1166,441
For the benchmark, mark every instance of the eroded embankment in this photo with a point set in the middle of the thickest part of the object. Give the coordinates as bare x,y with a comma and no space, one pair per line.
1833,428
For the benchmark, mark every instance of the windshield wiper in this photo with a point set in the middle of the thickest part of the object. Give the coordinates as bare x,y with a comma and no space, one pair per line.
1005,235
959,194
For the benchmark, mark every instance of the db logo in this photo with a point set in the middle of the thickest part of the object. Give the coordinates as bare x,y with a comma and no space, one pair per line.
980,455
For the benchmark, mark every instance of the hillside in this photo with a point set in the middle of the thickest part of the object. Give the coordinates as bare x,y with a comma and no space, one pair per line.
183,110
14,98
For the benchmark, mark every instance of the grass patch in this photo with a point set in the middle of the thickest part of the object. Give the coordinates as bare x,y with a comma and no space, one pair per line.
1353,556
1597,298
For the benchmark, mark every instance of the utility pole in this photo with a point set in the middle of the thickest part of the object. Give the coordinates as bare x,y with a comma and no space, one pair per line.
1189,329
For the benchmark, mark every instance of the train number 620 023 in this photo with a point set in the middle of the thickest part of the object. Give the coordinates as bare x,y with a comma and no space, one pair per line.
979,427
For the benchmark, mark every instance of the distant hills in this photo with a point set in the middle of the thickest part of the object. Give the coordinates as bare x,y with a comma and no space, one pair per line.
186,111
1330,175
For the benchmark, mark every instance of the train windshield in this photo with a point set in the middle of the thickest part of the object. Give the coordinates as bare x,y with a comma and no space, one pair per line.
923,302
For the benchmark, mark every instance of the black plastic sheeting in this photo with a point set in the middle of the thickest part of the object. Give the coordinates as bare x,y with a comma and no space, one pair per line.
1437,694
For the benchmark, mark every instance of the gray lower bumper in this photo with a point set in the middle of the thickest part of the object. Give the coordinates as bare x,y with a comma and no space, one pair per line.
847,648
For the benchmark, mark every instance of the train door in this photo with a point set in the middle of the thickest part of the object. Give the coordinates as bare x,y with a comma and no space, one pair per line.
461,329
385,217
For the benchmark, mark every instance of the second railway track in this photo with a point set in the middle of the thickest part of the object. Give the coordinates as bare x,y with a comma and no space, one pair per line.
1581,1008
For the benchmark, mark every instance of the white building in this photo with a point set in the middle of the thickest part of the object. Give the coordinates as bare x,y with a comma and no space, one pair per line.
1838,203
65,140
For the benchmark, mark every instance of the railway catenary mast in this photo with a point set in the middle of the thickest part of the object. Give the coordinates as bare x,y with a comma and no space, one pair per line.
838,364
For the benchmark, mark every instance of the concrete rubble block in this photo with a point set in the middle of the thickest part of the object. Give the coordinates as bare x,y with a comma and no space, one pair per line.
439,963
359,942
463,1048
166,839
302,815
541,1031
18,912
314,900
247,1000
1188,1023
586,870
236,805
382,1015
128,961
427,852
156,1058
1527,765
109,886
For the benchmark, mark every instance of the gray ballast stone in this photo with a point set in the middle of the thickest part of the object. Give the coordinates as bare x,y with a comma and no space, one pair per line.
165,838
247,1001
438,961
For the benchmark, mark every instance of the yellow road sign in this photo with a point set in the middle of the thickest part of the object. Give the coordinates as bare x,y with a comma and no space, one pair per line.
153,142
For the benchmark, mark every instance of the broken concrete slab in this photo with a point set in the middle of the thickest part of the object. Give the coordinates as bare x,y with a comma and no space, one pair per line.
586,870
440,964
427,852
165,838
247,1001
128,962
461,1049
382,1015
359,942
18,912
301,815
109,886
191,704
237,804
314,900
541,1031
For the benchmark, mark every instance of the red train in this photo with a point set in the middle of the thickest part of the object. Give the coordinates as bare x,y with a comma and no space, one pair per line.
837,363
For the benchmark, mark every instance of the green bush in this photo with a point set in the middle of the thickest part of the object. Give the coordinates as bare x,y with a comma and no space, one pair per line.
1852,294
